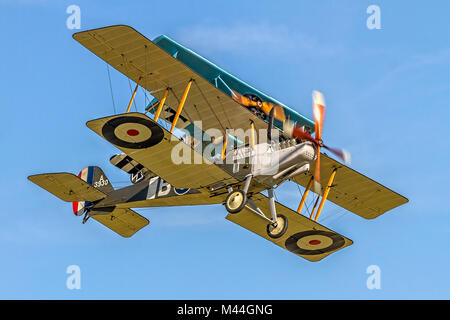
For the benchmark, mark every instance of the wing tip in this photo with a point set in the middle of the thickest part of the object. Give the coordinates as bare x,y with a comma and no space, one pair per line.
74,35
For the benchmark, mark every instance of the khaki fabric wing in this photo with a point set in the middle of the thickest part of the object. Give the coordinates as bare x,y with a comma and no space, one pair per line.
158,157
304,237
144,62
123,221
66,186
353,191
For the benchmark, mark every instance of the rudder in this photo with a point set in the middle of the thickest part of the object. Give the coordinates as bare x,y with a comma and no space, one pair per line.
95,177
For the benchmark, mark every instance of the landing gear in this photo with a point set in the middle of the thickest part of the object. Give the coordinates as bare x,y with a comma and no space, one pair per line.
277,229
235,201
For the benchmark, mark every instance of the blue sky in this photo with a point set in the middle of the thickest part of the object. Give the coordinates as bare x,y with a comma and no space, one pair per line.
387,92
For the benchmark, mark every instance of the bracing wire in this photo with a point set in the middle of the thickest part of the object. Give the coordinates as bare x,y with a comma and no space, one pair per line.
223,108
110,88
306,205
207,102
125,63
146,99
178,100
131,91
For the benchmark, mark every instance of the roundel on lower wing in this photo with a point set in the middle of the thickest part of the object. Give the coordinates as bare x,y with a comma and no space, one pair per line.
314,242
132,132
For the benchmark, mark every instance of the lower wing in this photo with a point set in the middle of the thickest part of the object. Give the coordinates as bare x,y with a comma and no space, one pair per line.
353,191
123,221
303,237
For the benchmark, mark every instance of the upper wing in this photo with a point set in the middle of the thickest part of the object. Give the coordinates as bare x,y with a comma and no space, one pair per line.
237,89
155,69
67,186
303,236
161,152
354,191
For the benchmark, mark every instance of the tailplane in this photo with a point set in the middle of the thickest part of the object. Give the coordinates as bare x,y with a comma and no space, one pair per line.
84,191
89,186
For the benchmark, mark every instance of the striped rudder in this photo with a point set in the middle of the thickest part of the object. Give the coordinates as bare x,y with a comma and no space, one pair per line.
95,177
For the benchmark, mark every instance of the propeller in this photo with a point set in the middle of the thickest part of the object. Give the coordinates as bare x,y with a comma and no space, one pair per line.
295,131
270,125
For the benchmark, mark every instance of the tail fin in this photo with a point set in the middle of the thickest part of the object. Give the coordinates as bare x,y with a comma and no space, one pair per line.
96,178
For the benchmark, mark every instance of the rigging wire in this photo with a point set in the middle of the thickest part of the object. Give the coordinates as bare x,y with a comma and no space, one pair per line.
207,102
125,63
198,113
146,99
110,88
178,100
145,83
226,115
131,91
147,74
301,193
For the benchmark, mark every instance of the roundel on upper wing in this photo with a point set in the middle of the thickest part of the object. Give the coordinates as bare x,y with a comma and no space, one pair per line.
132,132
314,242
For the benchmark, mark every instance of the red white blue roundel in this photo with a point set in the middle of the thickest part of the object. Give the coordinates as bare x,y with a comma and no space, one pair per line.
180,192
314,242
132,132
87,174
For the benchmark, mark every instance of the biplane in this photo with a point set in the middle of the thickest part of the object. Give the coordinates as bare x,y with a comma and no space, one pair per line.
209,138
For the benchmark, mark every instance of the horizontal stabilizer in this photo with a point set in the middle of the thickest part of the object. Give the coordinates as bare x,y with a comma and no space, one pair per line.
304,237
67,186
123,221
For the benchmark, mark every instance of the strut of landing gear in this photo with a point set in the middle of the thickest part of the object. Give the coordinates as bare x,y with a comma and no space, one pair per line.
279,222
237,200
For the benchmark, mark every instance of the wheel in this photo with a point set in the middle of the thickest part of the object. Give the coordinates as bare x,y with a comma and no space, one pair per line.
278,229
235,201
